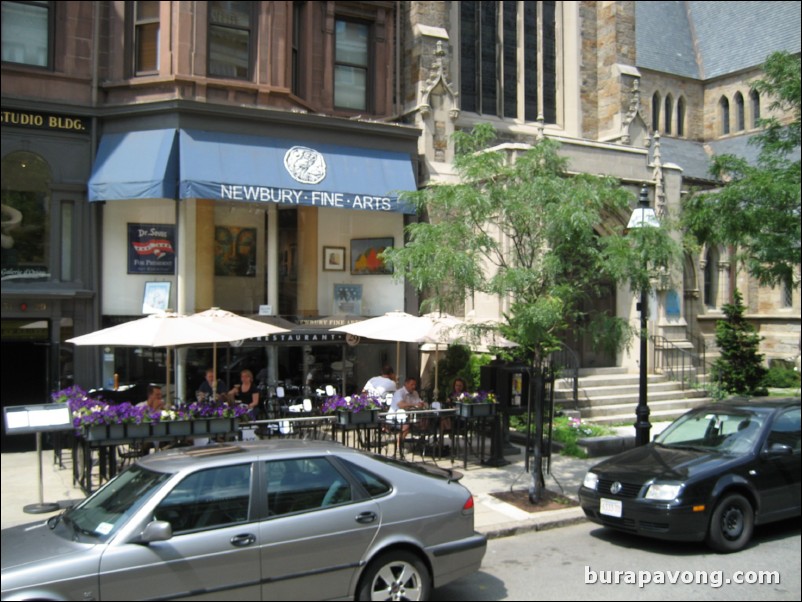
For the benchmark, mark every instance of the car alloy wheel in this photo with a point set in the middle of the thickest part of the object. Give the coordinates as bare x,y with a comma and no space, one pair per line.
732,524
395,576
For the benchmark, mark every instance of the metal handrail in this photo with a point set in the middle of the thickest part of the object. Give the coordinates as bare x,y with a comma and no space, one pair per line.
677,364
564,363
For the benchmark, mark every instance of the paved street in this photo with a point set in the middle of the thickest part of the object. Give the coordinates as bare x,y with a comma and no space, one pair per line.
552,565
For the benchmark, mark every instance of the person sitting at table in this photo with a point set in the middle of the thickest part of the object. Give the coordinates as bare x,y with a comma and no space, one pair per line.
406,398
155,401
382,384
207,388
246,393
458,388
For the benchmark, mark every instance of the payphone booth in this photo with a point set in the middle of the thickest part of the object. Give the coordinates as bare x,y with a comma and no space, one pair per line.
520,390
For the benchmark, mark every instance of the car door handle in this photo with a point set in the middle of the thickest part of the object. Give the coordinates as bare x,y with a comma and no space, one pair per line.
366,517
243,540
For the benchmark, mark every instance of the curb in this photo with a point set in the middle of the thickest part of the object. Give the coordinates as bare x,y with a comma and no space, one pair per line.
547,520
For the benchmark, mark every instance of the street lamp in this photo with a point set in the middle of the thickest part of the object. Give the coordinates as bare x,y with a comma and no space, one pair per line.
643,217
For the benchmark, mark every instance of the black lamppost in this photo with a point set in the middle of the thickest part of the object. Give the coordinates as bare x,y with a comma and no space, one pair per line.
643,216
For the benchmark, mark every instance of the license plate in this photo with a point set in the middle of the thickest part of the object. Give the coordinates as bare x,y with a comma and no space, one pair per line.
611,507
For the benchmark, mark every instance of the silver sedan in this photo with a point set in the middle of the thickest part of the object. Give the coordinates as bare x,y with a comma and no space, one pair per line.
271,520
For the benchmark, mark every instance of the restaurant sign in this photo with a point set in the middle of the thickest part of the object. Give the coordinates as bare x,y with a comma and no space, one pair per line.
305,337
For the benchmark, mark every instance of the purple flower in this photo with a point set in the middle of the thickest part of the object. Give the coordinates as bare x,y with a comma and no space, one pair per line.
353,403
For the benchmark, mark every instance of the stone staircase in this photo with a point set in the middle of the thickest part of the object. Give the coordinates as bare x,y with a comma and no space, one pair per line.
610,396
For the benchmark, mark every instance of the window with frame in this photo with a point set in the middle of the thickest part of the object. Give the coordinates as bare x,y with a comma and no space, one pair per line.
724,113
754,98
26,183
494,79
146,37
28,32
231,39
681,117
669,113
298,16
711,278
351,65
208,499
656,112
304,484
740,115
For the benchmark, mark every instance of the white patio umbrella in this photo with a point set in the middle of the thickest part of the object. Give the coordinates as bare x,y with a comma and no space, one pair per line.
446,329
395,326
165,329
233,327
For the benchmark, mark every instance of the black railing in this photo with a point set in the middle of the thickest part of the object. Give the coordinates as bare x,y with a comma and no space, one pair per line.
564,364
680,365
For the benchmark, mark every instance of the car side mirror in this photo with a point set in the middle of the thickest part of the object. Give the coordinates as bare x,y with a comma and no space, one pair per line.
157,530
777,450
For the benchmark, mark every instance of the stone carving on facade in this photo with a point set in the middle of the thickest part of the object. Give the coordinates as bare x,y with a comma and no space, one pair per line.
438,83
634,107
438,108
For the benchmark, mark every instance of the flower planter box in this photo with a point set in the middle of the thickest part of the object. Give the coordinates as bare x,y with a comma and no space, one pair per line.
476,410
222,425
179,428
105,432
352,418
138,431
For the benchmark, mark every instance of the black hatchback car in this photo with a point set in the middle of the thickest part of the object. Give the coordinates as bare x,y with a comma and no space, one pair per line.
712,475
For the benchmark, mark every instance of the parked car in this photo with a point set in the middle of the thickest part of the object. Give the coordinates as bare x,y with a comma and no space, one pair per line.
269,520
712,475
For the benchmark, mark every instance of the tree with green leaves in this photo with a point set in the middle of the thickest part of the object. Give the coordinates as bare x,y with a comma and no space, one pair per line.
739,370
522,228
757,209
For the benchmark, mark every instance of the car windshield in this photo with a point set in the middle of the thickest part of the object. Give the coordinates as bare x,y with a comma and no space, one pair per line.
727,431
100,515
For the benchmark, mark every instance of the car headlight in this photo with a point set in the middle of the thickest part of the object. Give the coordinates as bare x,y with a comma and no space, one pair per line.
663,491
591,481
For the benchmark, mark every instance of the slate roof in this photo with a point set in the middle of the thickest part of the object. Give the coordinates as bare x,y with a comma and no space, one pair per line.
705,40
689,155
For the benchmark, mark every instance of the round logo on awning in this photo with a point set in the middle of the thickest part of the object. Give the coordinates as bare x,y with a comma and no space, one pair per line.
305,165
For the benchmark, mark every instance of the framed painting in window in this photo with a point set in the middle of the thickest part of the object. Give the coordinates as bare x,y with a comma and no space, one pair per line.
334,259
366,256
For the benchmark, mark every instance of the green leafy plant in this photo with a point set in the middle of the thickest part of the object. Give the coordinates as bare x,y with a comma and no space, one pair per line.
567,431
782,377
739,370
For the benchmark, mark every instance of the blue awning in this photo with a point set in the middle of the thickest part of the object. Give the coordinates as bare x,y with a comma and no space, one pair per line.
135,165
220,166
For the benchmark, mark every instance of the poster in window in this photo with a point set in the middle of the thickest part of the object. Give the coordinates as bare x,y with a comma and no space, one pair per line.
234,251
157,297
151,248
348,299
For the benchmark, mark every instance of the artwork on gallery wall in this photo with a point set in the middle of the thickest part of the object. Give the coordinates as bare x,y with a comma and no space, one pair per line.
366,256
334,259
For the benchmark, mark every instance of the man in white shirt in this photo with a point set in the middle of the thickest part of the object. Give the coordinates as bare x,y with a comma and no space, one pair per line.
406,398
383,384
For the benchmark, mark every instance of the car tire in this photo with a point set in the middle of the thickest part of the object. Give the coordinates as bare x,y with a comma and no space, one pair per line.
395,575
732,524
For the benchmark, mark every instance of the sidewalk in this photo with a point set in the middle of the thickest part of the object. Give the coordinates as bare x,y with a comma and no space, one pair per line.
493,517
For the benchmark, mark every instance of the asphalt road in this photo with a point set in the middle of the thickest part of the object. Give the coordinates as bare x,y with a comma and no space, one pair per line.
555,565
